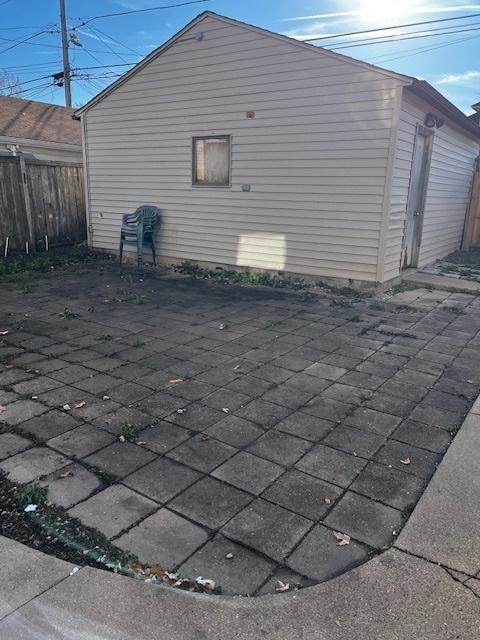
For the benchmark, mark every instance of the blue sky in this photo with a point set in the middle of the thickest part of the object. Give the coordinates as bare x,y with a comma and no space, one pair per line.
451,62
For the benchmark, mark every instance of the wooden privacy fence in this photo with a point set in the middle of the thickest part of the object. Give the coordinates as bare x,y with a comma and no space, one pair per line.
39,199
471,236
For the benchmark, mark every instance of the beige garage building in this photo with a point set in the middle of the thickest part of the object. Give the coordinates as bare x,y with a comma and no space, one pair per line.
268,153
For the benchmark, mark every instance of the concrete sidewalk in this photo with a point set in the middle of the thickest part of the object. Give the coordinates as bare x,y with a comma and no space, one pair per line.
428,587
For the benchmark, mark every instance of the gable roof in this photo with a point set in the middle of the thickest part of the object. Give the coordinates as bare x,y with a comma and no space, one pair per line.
32,120
422,88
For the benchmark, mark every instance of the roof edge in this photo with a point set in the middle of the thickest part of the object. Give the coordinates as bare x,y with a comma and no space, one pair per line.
305,45
426,91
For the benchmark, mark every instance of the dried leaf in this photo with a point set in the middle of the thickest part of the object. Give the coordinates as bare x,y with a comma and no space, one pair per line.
343,538
206,583
34,397
327,500
66,407
3,333
204,436
140,442
79,405
226,410
74,570
67,474
175,381
156,570
222,326
181,411
122,439
406,461
106,398
281,586
229,556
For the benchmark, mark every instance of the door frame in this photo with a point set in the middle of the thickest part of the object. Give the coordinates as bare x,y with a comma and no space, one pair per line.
418,222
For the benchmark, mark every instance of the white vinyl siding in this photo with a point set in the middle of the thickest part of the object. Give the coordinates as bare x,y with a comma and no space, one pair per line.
315,154
448,191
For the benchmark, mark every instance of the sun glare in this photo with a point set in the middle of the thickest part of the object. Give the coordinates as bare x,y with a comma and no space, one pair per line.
371,10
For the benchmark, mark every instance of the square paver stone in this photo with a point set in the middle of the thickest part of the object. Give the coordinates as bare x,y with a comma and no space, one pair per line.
365,520
326,371
196,417
162,479
266,414
163,538
267,528
327,408
248,472
120,459
114,421
99,383
82,441
331,465
32,464
129,392
163,436
386,484
280,447
210,502
305,426
360,443
11,443
235,431
226,399
50,424
320,557
21,411
303,494
423,436
202,453
113,510
416,461
242,573
371,420
70,485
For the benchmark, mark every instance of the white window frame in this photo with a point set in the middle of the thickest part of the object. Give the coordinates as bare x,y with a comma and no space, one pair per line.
211,185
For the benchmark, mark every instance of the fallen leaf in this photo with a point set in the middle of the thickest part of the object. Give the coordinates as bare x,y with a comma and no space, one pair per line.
140,442
74,570
222,326
181,411
66,407
281,586
175,381
106,398
343,538
226,410
229,556
122,438
3,333
207,583
156,570
327,500
67,474
406,461
79,405
34,397
204,436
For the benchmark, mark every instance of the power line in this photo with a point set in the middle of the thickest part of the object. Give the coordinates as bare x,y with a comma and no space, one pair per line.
19,42
126,13
398,39
397,26
122,44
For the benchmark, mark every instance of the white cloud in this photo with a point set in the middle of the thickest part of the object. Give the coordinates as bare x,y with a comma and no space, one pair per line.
408,11
459,78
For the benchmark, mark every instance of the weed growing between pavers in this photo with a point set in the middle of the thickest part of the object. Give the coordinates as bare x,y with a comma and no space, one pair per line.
231,276
50,529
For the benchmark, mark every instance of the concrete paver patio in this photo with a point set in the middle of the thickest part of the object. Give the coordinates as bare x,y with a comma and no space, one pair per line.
266,420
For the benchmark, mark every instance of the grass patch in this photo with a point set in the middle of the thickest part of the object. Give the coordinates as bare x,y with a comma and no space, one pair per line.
403,286
47,261
68,314
105,338
129,432
137,343
31,494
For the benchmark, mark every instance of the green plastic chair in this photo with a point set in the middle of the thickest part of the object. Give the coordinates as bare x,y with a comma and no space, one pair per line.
139,228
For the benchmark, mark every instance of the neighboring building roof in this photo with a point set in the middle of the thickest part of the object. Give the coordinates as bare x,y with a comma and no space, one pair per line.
420,87
32,120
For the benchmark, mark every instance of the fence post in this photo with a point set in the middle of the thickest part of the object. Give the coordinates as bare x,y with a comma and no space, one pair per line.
28,205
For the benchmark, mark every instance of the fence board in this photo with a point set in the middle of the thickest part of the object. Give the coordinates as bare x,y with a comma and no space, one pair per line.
57,202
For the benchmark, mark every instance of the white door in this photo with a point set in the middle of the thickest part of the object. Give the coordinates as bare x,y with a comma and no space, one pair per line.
416,197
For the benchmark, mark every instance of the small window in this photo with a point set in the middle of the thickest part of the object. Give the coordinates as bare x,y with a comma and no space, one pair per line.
211,161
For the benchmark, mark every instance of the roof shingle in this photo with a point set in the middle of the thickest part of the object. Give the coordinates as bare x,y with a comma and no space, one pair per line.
38,121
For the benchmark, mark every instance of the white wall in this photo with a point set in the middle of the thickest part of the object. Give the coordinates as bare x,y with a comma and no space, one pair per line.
315,155
44,151
448,191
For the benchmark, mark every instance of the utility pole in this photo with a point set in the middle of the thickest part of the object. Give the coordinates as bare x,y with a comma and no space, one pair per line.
66,62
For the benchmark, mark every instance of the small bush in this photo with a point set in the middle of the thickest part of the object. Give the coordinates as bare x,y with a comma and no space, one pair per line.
31,494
